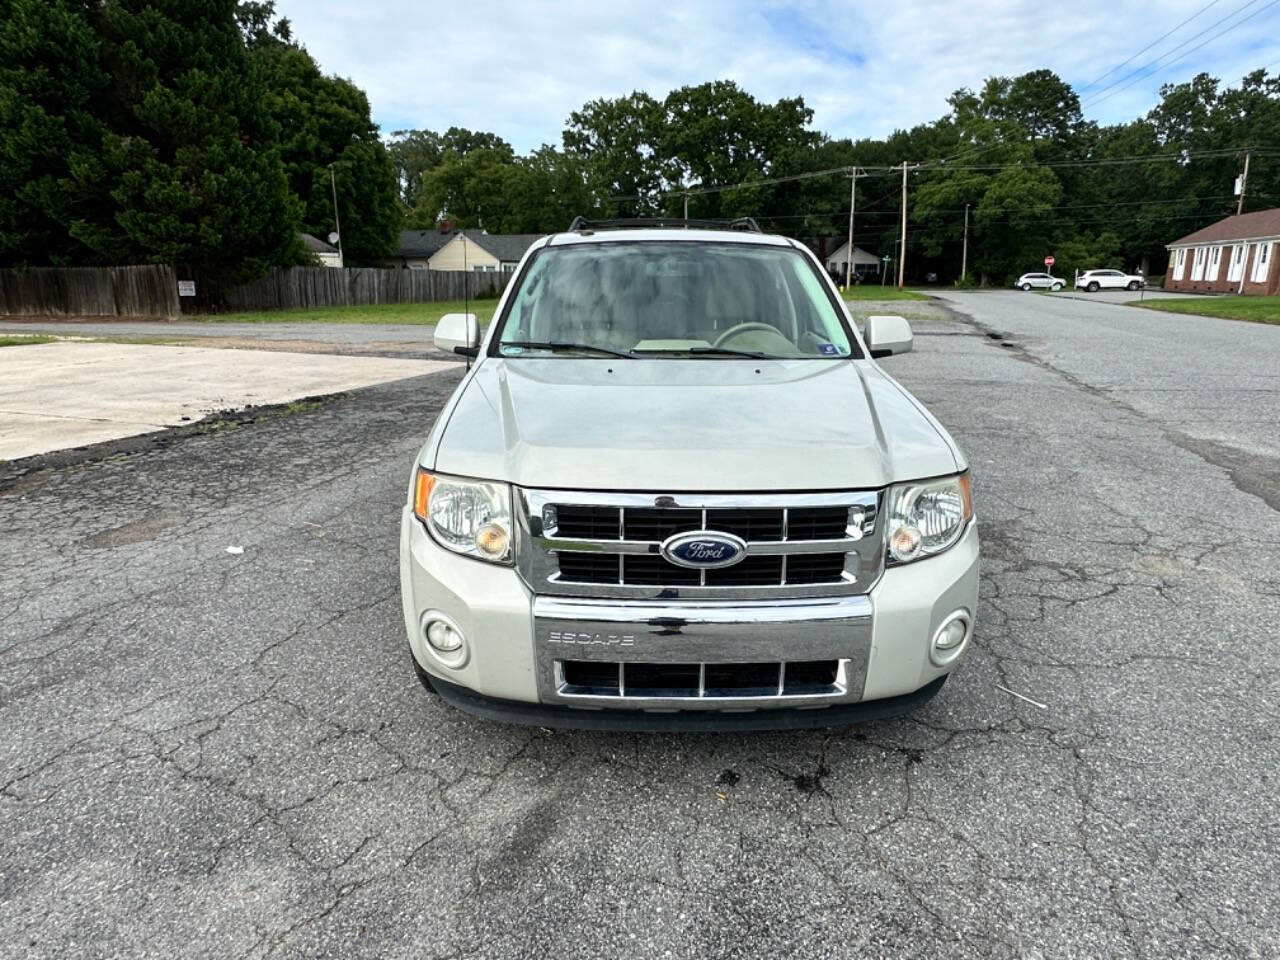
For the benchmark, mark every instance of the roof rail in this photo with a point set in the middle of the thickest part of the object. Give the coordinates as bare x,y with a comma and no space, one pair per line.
581,224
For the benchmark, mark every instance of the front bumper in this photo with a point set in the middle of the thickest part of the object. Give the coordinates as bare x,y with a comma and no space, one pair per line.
515,641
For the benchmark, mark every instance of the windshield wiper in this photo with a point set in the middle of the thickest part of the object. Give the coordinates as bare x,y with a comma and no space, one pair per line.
557,345
718,351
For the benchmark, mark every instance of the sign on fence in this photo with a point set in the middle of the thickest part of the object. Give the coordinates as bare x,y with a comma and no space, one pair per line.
186,288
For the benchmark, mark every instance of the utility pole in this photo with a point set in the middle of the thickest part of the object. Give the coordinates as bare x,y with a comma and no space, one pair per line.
1244,182
686,206
853,204
337,226
902,255
964,250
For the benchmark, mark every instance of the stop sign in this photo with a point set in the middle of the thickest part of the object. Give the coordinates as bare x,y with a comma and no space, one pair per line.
1048,261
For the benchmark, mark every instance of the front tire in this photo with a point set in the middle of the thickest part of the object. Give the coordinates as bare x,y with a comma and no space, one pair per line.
1026,286
1057,287
1093,286
1133,285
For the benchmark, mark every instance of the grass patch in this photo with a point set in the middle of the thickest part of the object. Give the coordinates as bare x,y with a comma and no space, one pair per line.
871,291
1252,309
409,313
20,340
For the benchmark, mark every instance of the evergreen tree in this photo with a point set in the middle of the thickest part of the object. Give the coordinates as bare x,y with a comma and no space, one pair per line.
192,148
326,120
51,130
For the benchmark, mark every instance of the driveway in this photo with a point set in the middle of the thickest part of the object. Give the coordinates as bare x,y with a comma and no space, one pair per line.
70,394
392,339
210,754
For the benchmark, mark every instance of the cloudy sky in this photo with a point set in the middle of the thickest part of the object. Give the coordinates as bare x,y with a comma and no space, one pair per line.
518,68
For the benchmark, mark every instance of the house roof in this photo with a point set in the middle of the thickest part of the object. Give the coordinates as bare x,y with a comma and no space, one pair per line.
1247,226
504,246
316,245
861,256
422,244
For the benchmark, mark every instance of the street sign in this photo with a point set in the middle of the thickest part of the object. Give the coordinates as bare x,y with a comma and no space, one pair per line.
186,288
1048,261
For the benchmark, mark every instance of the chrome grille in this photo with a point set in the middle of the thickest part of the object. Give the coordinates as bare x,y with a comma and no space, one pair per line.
592,544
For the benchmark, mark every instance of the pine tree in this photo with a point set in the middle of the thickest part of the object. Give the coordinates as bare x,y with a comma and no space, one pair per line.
191,150
51,107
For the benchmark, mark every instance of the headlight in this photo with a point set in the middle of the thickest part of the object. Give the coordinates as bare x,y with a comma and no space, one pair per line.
471,517
927,518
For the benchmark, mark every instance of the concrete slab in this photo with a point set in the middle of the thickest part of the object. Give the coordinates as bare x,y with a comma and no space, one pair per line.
67,394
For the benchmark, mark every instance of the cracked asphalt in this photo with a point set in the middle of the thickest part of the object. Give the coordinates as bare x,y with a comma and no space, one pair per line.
228,756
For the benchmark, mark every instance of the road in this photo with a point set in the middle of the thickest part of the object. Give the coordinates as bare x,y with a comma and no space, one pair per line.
221,755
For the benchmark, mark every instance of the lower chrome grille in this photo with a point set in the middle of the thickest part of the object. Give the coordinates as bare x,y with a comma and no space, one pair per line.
623,679
591,544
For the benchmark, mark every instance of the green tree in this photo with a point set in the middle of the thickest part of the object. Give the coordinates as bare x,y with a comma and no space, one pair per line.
191,148
413,153
325,121
51,128
618,142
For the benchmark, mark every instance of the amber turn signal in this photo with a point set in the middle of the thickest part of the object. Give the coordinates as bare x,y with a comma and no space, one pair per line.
422,493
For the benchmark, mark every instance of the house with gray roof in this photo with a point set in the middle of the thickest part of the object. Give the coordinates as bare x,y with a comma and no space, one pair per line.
470,249
326,253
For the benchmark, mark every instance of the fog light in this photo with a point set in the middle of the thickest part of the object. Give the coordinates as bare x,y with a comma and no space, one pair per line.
950,637
443,637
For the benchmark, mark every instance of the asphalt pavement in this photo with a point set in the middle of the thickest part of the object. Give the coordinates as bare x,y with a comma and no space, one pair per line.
226,754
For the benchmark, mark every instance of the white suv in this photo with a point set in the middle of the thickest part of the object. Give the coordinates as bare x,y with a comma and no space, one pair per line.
676,490
1094,280
1039,281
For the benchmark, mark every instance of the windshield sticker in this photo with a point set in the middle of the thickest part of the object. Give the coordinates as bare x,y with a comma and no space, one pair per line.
828,350
514,351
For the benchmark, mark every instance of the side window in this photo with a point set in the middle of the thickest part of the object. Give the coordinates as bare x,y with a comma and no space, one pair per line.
1262,263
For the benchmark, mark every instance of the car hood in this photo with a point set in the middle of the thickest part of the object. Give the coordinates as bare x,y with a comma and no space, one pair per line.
689,425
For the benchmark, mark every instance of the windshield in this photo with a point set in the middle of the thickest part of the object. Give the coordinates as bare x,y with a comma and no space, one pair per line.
673,299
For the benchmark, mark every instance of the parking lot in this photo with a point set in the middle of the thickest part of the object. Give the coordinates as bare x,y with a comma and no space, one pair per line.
210,753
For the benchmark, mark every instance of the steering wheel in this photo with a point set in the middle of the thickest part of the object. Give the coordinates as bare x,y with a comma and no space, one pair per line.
745,328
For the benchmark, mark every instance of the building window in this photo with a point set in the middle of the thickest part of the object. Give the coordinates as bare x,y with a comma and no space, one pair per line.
1235,269
1215,264
1179,263
1262,263
1197,264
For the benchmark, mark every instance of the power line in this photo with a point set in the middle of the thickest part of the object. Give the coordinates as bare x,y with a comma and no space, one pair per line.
1137,73
1062,206
936,165
1148,46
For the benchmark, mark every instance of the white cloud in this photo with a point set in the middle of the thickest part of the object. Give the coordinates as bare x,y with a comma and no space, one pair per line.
519,68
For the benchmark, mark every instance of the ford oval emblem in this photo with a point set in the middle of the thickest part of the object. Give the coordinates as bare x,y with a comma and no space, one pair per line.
704,549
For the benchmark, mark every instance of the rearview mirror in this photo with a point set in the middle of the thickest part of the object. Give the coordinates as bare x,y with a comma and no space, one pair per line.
458,333
887,335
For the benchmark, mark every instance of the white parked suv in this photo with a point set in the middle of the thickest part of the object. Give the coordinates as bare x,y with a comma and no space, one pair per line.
676,490
1095,280
1039,281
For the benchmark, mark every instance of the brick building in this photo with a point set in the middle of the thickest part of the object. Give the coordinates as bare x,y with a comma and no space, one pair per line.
1235,255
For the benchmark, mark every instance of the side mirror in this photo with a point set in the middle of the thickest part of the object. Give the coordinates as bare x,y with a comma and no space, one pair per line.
887,335
458,333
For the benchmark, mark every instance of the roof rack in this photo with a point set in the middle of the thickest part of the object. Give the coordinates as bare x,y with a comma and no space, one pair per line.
747,224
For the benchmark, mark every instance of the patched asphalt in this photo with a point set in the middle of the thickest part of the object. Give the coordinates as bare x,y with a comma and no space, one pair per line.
208,754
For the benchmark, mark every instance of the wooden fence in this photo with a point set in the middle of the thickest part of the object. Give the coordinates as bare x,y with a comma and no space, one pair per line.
152,291
288,287
147,291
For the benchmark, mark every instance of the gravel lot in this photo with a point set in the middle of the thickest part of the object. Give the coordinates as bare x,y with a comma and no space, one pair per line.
226,755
